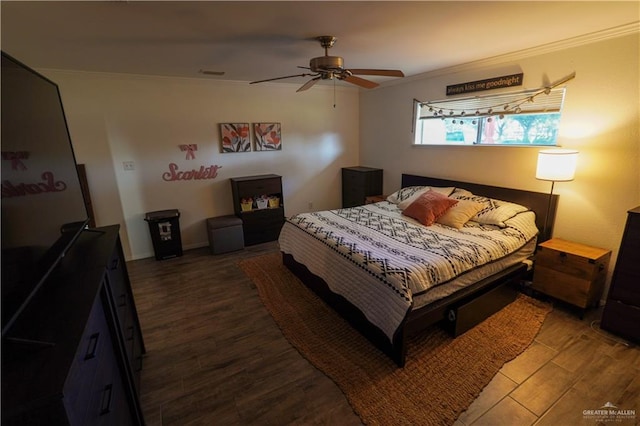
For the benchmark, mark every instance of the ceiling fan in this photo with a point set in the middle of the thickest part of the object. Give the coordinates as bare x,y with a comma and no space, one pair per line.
329,67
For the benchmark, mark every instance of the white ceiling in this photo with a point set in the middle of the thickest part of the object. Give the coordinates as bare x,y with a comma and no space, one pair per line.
264,39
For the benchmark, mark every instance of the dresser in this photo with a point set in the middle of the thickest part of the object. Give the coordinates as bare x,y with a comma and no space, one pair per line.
74,355
258,201
358,183
570,271
621,313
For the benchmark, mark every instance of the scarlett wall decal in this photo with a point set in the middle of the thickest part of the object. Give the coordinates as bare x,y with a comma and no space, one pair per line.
12,188
174,173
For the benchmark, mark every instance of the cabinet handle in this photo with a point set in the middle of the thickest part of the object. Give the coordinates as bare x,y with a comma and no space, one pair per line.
114,263
131,333
93,346
105,406
139,366
122,300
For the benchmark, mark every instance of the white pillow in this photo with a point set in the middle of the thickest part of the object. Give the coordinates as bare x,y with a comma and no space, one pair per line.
415,191
494,212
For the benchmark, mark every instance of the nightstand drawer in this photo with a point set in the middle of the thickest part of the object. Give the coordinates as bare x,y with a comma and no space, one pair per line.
570,264
562,286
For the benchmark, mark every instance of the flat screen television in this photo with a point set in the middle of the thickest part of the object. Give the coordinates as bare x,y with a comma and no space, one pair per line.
43,209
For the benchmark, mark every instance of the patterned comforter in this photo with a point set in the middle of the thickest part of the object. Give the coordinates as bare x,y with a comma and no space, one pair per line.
380,260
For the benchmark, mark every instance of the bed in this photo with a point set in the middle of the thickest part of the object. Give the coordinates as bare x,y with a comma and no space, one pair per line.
391,277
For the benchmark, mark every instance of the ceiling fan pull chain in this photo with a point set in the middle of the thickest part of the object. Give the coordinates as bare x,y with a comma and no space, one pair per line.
334,92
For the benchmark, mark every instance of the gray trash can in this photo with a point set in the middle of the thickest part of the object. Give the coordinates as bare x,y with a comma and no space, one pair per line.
164,226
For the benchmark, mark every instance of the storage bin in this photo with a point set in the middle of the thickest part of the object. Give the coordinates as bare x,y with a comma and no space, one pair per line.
262,203
225,234
274,202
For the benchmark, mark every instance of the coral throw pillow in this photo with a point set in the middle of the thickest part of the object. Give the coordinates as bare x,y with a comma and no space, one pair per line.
427,208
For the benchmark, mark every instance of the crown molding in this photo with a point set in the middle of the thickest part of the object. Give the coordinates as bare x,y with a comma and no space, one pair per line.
611,33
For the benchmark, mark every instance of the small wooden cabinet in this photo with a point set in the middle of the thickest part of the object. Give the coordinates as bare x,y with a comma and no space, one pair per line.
572,272
262,216
359,183
621,313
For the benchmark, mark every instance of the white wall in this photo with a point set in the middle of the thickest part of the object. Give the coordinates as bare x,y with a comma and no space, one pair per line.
115,118
600,119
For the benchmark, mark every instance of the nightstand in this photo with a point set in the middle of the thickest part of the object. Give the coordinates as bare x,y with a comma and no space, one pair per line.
370,199
572,272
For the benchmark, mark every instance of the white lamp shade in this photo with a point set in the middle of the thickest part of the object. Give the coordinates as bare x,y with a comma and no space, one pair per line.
557,164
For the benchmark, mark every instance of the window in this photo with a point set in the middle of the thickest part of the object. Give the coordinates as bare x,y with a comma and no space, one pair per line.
522,118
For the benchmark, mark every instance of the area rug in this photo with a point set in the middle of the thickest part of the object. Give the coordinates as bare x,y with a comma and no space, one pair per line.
442,375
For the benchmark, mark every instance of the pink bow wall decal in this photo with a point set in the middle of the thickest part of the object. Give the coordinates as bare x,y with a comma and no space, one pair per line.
190,149
15,157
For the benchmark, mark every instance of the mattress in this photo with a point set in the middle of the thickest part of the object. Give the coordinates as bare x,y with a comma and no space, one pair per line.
387,264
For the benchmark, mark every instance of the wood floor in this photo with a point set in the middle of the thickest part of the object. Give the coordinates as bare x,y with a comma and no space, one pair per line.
215,357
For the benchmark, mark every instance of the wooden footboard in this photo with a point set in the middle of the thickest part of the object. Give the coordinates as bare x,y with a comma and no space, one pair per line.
486,297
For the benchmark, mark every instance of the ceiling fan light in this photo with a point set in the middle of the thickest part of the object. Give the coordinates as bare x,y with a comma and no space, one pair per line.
326,63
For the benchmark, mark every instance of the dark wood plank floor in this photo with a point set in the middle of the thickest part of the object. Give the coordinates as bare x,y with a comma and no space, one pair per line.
215,357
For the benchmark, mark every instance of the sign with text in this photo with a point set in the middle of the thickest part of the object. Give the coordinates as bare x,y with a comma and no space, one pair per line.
175,173
488,84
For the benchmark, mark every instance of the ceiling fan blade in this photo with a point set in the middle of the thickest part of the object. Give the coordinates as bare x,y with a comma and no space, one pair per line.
280,78
367,84
309,84
386,73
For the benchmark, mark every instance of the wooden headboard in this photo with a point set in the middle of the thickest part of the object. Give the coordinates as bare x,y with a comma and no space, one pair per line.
535,201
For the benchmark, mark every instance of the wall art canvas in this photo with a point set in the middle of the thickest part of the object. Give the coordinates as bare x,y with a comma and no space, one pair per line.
235,137
267,136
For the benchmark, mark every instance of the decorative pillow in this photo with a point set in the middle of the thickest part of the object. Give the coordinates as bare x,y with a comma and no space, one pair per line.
407,201
494,212
405,193
428,207
460,214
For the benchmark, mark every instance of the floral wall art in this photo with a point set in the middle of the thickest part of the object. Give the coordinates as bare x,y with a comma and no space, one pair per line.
267,136
235,137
